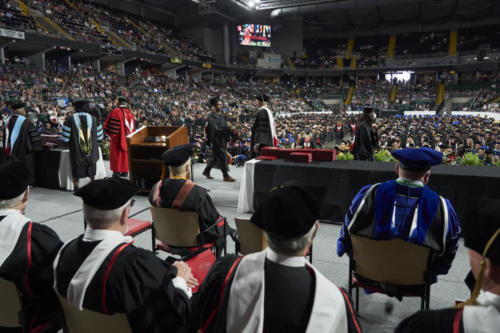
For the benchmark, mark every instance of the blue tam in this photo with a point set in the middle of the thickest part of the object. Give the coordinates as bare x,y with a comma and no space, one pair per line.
417,159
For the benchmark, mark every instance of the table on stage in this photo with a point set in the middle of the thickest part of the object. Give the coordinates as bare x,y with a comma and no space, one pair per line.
343,179
53,169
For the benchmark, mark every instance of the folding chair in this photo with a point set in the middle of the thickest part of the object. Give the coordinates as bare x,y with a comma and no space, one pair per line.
10,305
137,227
390,265
90,321
252,238
176,231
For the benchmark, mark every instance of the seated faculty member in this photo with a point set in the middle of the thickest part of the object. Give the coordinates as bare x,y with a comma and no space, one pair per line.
179,192
275,290
27,250
406,208
102,271
481,313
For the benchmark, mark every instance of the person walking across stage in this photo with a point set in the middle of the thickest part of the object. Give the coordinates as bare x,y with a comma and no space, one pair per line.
83,133
365,137
263,130
218,134
119,124
21,139
406,208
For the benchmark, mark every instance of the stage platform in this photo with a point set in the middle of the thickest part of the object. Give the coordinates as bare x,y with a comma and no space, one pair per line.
62,211
343,179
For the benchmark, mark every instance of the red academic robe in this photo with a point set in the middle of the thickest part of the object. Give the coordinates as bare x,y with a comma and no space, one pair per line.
118,125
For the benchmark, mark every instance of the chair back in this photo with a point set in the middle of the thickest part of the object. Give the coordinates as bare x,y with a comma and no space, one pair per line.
10,304
252,238
174,227
394,261
90,321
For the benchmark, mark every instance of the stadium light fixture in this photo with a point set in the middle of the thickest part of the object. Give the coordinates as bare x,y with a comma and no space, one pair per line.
251,4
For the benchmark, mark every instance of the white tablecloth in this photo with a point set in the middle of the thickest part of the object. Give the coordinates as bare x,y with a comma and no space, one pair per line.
66,176
245,198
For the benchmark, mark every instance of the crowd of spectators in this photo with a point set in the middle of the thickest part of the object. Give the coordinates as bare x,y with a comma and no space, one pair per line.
11,17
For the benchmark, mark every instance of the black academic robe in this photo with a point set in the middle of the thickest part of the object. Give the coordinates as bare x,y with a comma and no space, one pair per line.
287,309
139,284
39,303
363,143
433,321
261,131
198,201
218,134
27,142
83,136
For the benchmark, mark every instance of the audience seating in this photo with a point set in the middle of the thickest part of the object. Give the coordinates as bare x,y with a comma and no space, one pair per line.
90,321
388,266
10,305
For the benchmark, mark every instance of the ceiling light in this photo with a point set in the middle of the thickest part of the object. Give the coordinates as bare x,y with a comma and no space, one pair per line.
251,4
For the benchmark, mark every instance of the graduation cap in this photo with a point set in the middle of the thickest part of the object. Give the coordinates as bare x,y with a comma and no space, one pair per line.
17,105
262,98
481,232
122,100
79,105
178,155
107,193
417,159
289,210
214,101
13,179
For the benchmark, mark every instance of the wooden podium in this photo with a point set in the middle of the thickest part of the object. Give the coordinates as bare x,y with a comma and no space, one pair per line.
144,158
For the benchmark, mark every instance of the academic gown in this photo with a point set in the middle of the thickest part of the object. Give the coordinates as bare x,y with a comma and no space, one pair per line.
408,210
139,284
83,133
21,139
210,221
218,134
289,300
484,318
262,131
119,124
363,143
40,305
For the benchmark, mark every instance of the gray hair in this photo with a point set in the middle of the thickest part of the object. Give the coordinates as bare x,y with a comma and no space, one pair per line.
9,203
179,170
289,246
101,218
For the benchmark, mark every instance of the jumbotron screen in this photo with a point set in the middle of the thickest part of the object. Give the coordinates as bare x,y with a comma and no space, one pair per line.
254,35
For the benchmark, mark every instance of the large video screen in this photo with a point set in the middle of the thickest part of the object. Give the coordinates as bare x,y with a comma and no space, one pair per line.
254,35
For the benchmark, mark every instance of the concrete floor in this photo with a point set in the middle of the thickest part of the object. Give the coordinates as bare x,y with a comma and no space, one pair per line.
62,211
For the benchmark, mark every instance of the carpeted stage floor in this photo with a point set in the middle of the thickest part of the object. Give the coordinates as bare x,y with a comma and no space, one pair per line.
62,211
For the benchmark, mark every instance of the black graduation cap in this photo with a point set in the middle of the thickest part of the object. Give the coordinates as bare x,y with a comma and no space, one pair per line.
122,100
13,180
214,101
368,109
17,105
290,210
178,155
80,104
417,159
481,225
107,193
262,98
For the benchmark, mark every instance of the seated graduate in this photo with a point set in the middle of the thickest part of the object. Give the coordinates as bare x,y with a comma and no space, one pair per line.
179,192
406,208
27,250
481,313
102,271
275,290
